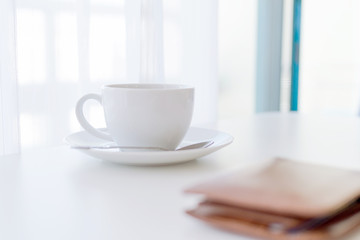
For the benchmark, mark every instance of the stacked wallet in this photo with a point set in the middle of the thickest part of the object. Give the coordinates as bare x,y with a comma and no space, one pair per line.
282,199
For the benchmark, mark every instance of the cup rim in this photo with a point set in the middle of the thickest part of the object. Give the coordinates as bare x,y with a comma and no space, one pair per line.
148,86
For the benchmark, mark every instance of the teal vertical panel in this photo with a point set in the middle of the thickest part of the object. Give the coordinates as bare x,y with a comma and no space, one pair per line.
294,97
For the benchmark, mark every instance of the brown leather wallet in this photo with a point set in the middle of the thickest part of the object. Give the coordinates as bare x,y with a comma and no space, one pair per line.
282,199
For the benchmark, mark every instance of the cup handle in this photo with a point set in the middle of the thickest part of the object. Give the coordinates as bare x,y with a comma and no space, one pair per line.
79,110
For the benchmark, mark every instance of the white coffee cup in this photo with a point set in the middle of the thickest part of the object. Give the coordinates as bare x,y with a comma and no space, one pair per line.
142,115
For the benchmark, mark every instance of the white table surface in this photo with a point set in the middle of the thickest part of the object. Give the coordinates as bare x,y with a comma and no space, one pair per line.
60,193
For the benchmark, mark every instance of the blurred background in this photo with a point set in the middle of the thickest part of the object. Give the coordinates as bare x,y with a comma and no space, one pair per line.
66,48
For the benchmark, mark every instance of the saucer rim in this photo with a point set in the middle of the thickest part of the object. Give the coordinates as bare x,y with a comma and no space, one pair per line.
215,144
157,158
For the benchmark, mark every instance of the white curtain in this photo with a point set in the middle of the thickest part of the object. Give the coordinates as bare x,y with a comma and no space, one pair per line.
66,48
9,128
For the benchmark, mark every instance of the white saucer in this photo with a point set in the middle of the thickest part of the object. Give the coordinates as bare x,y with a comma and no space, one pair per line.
154,157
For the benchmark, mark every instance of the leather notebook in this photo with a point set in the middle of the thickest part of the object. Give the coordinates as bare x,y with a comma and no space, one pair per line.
282,199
